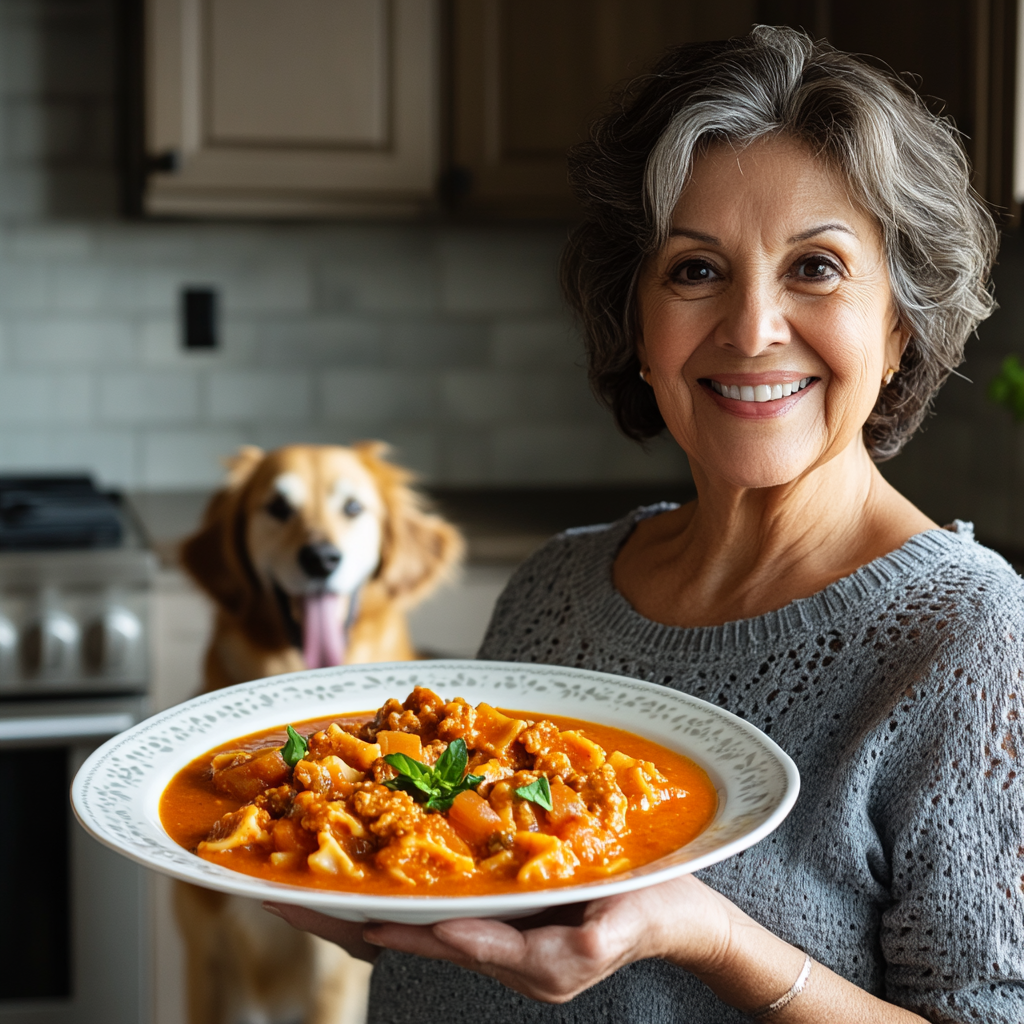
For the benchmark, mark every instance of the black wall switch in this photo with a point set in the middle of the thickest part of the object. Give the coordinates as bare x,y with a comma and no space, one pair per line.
199,317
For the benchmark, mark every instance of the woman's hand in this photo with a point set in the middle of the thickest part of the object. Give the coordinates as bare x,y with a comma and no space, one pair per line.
560,954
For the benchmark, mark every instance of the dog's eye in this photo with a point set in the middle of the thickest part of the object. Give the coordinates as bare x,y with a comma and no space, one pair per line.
352,507
279,508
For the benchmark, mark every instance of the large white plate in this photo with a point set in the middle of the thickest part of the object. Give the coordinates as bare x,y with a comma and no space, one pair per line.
117,791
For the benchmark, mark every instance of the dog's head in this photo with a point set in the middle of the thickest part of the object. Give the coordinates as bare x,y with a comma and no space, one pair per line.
297,533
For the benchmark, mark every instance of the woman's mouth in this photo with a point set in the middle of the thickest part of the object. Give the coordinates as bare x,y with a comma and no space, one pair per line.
758,392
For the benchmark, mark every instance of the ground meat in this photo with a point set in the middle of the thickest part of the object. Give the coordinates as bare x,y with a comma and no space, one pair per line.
277,802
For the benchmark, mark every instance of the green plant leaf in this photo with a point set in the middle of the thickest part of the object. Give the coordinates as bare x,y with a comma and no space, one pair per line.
451,765
435,787
295,749
1007,388
405,765
537,792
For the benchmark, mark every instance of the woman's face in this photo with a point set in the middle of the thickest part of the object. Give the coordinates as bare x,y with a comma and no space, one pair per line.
767,321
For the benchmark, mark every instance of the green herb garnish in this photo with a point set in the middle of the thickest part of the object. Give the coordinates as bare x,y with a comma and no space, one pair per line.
537,792
1007,389
295,749
435,787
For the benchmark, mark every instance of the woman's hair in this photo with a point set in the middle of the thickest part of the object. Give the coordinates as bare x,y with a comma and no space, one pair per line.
903,165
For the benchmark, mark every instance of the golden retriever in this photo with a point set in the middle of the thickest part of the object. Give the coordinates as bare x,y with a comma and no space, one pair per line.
312,555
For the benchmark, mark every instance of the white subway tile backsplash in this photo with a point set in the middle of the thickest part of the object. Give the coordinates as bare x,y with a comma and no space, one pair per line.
536,343
187,458
45,399
149,396
258,396
112,455
481,396
320,340
437,344
377,396
500,271
384,271
60,342
548,454
24,286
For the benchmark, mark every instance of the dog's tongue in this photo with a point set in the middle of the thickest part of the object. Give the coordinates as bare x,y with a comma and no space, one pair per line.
323,641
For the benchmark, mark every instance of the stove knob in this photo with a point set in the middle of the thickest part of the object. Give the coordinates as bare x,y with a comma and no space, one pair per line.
110,642
50,645
8,649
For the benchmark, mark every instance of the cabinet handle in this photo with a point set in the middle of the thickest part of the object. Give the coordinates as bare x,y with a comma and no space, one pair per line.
56,728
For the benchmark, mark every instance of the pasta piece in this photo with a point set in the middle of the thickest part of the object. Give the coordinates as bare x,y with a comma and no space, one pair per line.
244,827
331,859
416,859
547,857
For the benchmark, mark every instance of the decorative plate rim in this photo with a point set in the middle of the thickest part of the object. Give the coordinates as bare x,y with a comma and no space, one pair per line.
103,764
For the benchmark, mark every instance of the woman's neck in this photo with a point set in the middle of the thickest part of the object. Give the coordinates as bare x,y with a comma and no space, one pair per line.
740,552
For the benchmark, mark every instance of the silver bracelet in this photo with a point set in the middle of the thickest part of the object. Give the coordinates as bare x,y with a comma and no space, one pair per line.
784,1000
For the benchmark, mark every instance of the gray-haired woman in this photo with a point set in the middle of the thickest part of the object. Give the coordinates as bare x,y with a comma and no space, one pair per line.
782,263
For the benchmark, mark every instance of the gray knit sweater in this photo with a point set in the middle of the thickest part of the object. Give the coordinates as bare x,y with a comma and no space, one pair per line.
899,692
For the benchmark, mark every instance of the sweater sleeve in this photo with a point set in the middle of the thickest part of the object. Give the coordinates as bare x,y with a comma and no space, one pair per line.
952,823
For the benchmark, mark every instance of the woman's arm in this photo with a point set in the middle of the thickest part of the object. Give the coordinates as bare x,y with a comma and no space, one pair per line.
682,921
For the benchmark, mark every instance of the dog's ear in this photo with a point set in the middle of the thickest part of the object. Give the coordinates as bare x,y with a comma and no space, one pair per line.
214,556
419,549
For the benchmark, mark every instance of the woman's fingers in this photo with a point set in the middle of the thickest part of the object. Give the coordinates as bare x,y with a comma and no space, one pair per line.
347,934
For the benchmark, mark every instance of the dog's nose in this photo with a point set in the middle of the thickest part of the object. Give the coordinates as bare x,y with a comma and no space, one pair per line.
318,561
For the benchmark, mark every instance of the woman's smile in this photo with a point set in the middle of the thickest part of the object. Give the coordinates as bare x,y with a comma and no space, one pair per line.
757,396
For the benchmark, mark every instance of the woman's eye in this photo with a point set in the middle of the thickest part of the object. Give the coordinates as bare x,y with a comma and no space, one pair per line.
694,272
352,507
816,268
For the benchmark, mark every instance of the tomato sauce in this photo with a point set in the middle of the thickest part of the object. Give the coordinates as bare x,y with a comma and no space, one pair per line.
192,805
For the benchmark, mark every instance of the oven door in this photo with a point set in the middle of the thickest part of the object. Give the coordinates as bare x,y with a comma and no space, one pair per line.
73,945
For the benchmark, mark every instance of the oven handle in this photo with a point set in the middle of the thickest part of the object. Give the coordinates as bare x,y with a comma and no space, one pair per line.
57,728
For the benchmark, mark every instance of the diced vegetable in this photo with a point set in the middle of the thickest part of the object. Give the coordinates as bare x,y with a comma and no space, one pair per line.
473,817
407,743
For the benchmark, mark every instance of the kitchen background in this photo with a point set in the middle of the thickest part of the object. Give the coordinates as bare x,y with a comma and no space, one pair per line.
443,334
450,341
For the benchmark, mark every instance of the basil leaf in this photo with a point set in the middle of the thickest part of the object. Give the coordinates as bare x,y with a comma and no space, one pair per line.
416,788
451,765
537,792
435,787
405,765
439,803
295,749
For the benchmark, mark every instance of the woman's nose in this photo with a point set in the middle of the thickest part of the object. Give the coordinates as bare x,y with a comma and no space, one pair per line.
754,319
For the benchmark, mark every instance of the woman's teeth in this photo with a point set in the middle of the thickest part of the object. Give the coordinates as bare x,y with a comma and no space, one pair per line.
761,393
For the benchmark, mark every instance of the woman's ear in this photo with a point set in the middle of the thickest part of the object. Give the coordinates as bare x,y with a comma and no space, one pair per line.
419,550
214,556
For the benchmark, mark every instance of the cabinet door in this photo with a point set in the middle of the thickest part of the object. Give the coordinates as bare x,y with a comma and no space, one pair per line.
291,107
528,74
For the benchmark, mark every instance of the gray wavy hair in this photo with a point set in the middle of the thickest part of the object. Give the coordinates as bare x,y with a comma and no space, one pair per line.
902,163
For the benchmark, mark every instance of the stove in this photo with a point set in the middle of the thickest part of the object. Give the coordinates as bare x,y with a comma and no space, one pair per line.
76,579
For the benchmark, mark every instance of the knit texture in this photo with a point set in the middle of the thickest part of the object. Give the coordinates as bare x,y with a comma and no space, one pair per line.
898,693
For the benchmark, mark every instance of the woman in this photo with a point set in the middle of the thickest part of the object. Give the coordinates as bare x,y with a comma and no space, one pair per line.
782,263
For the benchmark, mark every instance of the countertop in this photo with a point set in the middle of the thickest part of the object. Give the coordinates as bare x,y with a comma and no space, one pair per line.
501,525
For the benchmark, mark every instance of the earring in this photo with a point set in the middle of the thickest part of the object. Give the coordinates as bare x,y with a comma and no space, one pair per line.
642,377
889,374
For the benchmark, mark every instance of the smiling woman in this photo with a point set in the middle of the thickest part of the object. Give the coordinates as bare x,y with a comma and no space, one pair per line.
782,262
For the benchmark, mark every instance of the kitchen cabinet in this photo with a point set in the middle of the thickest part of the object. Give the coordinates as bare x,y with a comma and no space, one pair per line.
527,75
305,108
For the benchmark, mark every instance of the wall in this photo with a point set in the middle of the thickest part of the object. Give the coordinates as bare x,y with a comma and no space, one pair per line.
450,343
